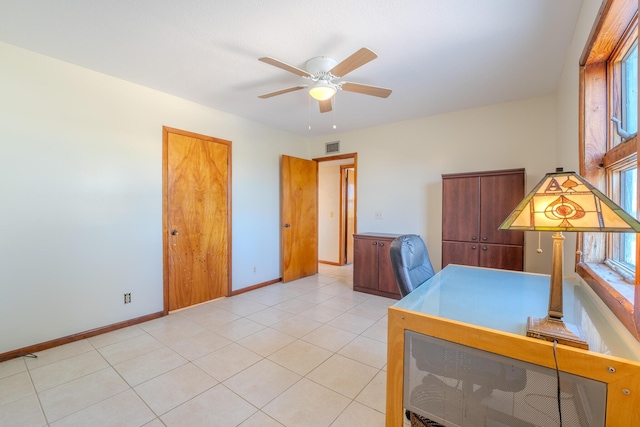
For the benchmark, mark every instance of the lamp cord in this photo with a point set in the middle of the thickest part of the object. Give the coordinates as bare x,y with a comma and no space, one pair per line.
555,358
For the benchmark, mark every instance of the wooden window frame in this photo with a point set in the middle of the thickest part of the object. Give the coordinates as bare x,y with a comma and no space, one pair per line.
600,150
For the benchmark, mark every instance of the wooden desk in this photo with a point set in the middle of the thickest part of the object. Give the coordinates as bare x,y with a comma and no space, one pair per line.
487,309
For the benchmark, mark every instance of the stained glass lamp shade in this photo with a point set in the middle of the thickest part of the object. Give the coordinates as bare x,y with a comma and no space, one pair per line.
564,201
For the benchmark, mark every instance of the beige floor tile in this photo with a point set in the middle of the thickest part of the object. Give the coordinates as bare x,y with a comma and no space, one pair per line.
73,396
267,296
328,337
25,412
359,415
55,354
262,382
369,310
343,375
300,357
240,306
155,423
213,318
239,329
374,394
266,341
15,387
342,302
125,409
269,316
293,306
227,361
307,404
177,331
315,296
321,314
199,345
367,351
143,368
378,331
297,326
260,419
216,407
113,337
129,349
173,388
352,323
65,370
12,367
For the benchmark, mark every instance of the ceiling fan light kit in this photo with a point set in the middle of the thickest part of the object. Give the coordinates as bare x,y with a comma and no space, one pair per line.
323,70
322,90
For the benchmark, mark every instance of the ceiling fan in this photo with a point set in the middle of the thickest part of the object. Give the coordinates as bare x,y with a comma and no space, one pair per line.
323,73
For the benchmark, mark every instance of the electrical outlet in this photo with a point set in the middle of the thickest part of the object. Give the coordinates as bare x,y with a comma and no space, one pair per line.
378,214
127,298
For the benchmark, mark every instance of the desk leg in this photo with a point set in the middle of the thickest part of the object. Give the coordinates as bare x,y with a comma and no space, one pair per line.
395,368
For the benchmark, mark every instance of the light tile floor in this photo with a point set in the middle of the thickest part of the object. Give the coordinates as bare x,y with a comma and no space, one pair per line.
306,353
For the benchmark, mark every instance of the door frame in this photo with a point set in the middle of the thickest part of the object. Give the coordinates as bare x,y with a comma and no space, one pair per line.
354,157
344,212
165,205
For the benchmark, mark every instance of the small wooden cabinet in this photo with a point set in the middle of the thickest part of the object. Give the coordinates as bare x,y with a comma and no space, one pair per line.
372,271
473,207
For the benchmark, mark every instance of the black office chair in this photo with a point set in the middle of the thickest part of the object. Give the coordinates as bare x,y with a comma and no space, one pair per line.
412,268
410,262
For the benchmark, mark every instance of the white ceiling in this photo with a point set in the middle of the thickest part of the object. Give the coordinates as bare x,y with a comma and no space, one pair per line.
436,55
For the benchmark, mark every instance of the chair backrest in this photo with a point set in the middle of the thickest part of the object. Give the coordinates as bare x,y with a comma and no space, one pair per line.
410,262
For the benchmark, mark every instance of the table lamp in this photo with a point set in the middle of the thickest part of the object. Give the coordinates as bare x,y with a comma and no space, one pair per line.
564,201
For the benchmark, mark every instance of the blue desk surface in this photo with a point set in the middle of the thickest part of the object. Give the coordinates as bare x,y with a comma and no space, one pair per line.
502,300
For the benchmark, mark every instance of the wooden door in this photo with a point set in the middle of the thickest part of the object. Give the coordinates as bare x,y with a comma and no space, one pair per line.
386,279
299,218
460,209
460,253
500,194
197,221
365,268
501,256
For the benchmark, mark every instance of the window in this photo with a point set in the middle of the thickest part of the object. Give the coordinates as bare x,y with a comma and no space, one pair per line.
608,155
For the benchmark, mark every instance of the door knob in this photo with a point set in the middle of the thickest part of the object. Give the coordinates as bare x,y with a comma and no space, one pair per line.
174,232
287,225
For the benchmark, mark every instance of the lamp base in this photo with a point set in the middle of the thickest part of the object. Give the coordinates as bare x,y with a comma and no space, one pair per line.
550,329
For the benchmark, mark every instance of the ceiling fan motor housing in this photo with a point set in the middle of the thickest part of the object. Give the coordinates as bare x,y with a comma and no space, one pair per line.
320,66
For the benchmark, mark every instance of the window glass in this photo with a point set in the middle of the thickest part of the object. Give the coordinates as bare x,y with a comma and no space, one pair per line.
628,202
630,90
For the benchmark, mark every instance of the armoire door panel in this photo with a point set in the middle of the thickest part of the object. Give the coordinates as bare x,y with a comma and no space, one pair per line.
460,198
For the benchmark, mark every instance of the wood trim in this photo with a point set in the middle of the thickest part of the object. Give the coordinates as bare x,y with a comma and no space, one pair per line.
166,130
611,23
482,173
620,152
77,337
254,287
619,305
336,157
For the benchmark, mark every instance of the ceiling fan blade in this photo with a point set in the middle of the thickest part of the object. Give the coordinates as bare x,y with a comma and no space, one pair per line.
325,106
280,92
356,60
366,89
290,68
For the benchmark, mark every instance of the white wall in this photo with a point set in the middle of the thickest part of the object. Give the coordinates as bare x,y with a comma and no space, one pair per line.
567,95
328,211
81,196
400,165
